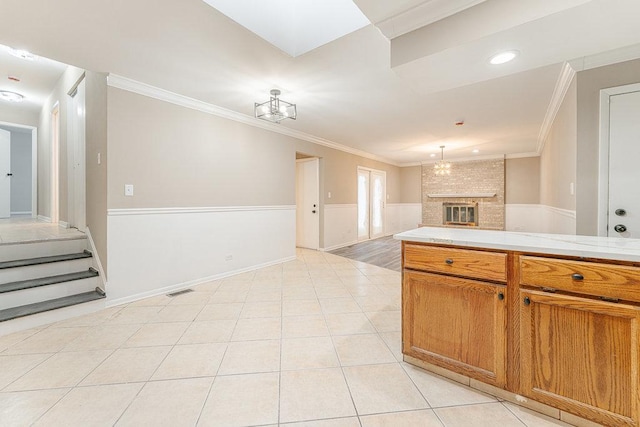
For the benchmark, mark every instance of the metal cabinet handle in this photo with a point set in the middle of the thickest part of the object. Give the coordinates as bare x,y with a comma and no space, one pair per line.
501,296
577,276
527,301
448,261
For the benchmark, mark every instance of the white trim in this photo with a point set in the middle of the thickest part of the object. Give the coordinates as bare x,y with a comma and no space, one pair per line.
124,83
20,213
63,224
195,282
564,212
521,155
96,257
405,204
615,56
43,218
341,245
603,154
559,93
163,211
459,195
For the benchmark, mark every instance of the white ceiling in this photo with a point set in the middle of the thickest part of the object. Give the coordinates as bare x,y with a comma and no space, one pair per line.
396,98
37,79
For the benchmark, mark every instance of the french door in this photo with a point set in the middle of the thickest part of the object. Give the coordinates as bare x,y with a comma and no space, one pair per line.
371,203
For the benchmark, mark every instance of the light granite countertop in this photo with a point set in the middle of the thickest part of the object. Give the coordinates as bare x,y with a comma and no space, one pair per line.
614,248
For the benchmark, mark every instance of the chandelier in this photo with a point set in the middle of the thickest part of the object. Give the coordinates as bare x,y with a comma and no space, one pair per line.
441,167
275,109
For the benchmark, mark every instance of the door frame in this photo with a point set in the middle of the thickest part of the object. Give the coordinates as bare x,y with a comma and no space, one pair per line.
603,152
384,202
34,164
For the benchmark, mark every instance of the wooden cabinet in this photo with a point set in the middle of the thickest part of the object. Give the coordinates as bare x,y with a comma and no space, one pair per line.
561,331
456,323
581,355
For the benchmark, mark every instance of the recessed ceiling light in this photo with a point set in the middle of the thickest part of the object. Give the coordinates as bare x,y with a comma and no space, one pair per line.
432,155
22,54
475,151
9,96
503,57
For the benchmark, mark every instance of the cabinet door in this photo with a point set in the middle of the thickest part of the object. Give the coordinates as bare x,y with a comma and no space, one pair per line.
458,324
581,356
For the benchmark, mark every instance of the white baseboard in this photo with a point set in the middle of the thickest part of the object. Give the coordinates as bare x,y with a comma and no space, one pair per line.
177,287
63,224
43,218
21,213
341,245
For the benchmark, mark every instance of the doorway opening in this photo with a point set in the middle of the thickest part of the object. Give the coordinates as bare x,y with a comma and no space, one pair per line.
19,173
307,202
371,203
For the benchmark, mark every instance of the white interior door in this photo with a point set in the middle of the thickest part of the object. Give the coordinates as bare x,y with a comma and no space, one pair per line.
5,173
307,203
77,200
364,204
371,203
624,176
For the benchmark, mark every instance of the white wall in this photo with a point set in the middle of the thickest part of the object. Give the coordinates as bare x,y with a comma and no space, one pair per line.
341,222
156,251
536,218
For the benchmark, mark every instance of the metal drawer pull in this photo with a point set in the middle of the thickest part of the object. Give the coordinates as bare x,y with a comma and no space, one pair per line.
500,296
527,301
577,276
448,261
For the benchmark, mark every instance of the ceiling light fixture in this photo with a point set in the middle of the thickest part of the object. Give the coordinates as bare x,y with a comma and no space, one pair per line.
275,109
503,57
9,96
22,54
475,151
441,167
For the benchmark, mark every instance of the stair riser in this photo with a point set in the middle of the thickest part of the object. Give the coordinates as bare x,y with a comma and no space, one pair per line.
43,270
48,292
10,252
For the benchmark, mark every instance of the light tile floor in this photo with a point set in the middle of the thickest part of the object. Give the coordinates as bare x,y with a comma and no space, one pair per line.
312,342
21,229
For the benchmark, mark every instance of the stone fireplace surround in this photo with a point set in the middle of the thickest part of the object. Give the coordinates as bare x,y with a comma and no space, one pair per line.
477,181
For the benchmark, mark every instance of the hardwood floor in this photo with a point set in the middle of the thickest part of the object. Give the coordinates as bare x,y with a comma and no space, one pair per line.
383,252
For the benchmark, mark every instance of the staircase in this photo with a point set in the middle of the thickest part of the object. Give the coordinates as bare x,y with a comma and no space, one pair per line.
41,276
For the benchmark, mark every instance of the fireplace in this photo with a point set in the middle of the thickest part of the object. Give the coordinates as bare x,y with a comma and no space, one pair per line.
465,214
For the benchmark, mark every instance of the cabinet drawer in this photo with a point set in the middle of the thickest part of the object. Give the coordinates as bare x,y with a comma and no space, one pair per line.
460,262
590,278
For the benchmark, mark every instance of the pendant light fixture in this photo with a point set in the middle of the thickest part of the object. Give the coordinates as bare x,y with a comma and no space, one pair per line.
441,167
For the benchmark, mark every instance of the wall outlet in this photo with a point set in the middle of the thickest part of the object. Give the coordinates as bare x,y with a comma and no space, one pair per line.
128,189
99,158
228,258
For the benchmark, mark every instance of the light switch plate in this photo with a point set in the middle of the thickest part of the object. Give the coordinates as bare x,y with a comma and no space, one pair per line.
128,189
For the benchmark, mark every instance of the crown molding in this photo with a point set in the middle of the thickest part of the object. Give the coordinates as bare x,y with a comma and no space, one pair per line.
521,155
453,160
130,85
562,86
627,53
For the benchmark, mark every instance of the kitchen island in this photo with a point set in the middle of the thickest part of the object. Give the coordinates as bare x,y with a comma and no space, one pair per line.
548,321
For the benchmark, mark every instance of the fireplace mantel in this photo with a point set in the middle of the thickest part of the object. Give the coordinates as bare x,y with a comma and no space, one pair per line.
460,195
